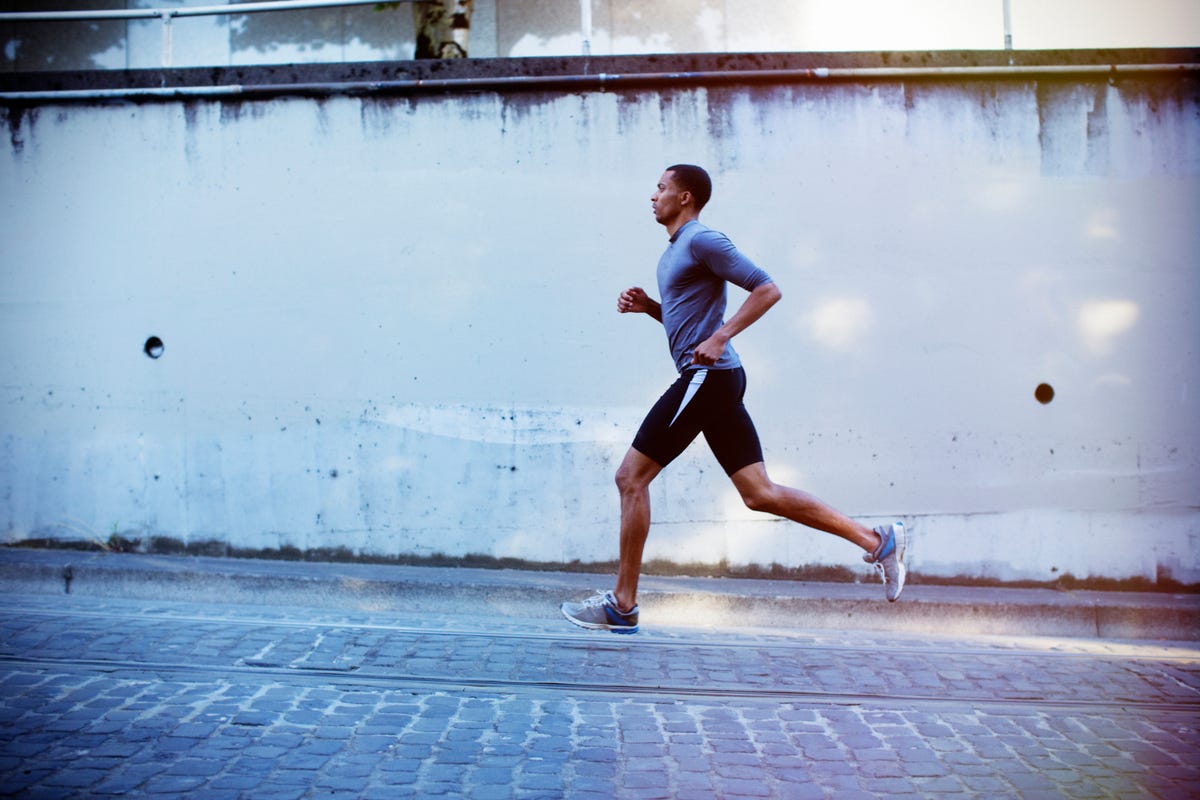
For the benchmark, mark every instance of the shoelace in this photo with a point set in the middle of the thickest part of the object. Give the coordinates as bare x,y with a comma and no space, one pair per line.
597,600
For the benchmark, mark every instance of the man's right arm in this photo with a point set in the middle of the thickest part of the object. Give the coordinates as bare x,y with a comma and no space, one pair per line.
635,300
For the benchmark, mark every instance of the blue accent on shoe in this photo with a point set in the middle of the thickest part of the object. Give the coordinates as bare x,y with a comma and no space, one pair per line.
886,546
621,621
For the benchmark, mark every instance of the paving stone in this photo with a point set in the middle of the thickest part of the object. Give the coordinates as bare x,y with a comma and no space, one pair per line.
173,784
236,783
751,787
196,766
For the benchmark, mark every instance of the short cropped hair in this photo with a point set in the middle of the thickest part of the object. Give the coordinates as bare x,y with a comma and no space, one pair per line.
691,178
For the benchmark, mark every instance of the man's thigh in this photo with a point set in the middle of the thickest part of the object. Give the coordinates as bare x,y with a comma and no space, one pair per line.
734,440
708,401
674,421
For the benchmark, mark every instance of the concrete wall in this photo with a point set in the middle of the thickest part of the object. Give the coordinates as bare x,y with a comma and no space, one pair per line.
389,321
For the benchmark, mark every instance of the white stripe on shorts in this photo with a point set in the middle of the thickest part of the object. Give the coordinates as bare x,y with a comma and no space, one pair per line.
693,387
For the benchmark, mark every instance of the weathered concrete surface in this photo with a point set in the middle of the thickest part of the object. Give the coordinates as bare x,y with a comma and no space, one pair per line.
387,320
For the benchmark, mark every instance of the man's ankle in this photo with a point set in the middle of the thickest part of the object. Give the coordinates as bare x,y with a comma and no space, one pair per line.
622,606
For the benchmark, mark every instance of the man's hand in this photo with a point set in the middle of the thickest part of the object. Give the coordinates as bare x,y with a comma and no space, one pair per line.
710,350
762,298
635,300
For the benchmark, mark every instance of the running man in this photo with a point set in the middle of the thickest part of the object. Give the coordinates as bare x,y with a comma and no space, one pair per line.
707,398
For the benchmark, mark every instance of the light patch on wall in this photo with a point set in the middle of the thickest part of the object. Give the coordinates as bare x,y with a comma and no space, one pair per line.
531,45
805,251
1039,280
1038,25
633,45
1102,321
570,44
1001,195
1112,380
1102,225
840,323
112,58
870,24
711,23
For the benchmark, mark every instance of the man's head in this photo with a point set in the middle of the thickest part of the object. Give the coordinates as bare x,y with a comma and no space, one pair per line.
682,191
693,179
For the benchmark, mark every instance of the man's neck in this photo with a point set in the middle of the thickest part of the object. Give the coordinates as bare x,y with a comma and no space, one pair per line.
674,226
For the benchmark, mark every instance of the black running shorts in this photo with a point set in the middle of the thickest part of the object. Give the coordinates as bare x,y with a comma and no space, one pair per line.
707,401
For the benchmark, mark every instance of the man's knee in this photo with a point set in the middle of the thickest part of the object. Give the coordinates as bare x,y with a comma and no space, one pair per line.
627,481
633,475
623,478
760,497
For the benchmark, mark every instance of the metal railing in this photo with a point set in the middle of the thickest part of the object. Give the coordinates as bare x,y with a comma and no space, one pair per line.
604,81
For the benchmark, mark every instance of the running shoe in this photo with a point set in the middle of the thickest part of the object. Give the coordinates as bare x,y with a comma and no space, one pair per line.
888,558
600,613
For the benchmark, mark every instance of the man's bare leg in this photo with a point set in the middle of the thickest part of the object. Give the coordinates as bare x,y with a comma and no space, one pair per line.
760,493
633,482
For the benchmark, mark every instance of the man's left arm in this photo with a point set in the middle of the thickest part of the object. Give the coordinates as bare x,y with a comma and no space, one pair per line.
753,307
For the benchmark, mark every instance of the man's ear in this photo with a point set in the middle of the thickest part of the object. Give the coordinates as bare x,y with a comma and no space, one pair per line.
685,198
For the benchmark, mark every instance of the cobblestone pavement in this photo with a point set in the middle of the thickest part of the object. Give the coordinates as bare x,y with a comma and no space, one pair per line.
154,699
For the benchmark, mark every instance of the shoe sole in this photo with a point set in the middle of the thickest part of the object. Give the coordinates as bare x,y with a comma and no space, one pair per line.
598,626
901,546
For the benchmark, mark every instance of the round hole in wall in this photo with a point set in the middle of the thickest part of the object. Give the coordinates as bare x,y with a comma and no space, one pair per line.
1044,393
153,347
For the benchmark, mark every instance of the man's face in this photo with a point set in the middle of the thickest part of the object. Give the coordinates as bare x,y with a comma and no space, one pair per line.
666,200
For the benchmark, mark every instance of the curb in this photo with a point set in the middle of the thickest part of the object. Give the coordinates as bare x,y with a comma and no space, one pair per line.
666,601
